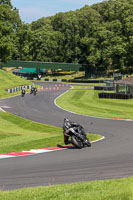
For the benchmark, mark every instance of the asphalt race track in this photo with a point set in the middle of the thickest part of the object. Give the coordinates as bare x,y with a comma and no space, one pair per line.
108,159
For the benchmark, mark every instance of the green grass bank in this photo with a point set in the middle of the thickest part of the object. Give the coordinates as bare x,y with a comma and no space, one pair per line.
87,102
121,189
9,80
17,134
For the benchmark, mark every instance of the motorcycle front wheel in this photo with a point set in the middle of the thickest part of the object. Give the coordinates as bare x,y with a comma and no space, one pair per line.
88,143
77,142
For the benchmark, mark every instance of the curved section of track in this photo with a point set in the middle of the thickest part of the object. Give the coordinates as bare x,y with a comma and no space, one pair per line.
107,159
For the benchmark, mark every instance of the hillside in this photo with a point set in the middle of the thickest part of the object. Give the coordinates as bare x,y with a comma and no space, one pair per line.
9,80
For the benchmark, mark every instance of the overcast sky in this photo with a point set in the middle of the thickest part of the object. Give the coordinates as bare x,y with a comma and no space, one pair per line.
31,10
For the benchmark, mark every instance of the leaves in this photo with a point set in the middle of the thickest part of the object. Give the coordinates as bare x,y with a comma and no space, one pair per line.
94,35
9,22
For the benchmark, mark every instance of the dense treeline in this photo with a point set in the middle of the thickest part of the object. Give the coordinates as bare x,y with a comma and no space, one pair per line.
100,36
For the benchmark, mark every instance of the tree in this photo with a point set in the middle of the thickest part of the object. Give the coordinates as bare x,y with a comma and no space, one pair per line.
7,2
93,35
9,22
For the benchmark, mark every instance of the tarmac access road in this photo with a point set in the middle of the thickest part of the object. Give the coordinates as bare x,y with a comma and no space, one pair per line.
108,159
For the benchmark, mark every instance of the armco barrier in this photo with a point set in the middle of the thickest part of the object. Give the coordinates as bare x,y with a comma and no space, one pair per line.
51,79
18,88
86,81
71,81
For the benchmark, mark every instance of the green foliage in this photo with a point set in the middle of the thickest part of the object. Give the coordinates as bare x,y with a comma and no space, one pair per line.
9,23
100,36
8,2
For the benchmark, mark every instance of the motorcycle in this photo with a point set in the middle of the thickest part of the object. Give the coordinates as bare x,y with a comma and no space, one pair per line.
33,91
23,93
77,134
78,137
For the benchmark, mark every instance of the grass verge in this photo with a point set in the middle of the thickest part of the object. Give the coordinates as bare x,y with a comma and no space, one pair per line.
17,134
9,80
120,189
82,87
88,103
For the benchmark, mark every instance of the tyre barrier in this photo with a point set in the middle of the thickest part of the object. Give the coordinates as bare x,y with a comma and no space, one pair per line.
106,88
11,90
86,81
54,88
115,95
51,80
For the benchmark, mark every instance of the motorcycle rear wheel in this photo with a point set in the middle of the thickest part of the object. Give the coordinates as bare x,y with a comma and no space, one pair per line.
77,142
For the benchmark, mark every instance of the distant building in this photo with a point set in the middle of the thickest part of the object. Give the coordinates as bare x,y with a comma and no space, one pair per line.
30,72
123,89
117,76
125,85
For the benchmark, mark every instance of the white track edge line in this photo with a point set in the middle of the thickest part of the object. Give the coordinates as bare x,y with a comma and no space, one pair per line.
1,109
129,120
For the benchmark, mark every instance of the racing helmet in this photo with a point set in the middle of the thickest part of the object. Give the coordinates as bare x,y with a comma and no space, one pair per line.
67,123
66,120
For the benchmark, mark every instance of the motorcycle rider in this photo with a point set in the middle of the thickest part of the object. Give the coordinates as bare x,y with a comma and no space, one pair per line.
23,91
33,90
67,125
